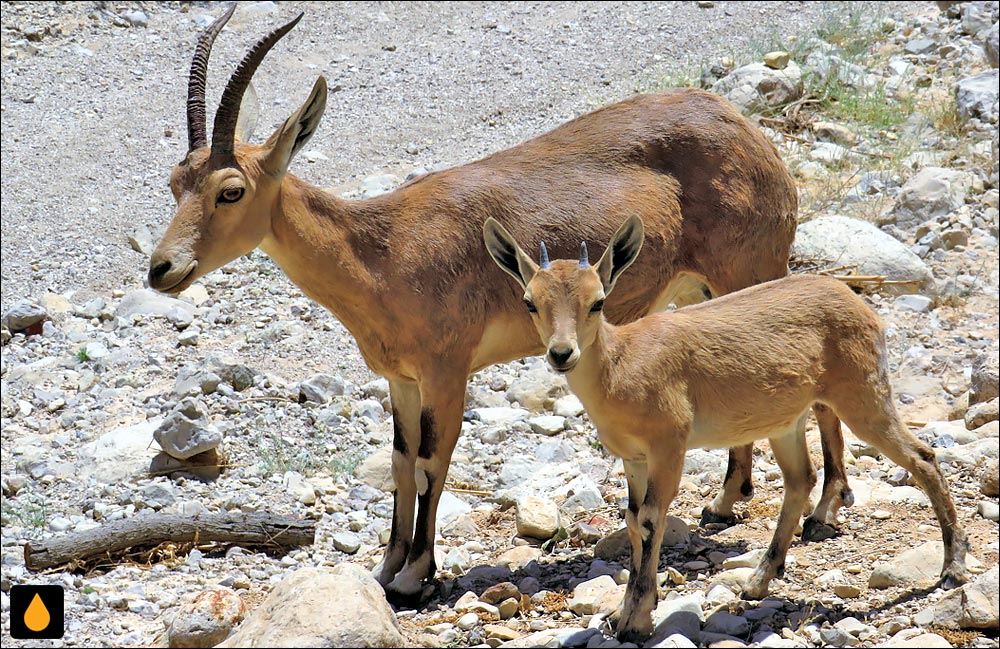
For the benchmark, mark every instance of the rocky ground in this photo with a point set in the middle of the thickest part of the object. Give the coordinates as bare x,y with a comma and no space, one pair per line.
888,119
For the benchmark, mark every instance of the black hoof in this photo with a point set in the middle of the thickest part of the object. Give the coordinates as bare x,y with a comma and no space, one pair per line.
708,517
632,635
847,498
951,580
407,600
814,530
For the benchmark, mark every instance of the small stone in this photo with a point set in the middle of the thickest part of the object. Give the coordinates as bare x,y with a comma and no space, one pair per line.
299,488
23,315
749,559
982,413
207,619
500,416
836,133
518,557
508,608
727,623
548,425
568,406
467,622
916,303
919,46
136,18
989,510
846,591
320,388
185,432
346,542
881,515
499,592
500,632
537,517
588,595
989,484
777,60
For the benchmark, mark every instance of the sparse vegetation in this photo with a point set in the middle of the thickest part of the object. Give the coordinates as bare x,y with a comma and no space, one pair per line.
279,454
30,512
82,355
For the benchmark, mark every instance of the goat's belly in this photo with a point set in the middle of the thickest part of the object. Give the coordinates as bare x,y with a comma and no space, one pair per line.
727,432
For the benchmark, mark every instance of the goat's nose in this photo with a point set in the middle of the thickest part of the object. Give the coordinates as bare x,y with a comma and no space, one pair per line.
561,354
157,271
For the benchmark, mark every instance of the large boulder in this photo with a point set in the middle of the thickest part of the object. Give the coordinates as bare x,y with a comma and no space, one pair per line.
850,242
985,382
974,605
977,95
298,612
756,87
933,192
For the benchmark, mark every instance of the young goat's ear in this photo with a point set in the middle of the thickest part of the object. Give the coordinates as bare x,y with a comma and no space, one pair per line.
291,136
621,252
507,254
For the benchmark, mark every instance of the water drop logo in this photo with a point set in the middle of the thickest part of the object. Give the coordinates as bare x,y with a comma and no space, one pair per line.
37,617
36,612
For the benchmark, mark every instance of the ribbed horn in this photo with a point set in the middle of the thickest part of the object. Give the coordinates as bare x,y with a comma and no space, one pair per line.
229,107
543,256
584,257
197,136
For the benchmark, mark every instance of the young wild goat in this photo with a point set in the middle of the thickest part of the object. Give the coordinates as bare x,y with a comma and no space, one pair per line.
742,367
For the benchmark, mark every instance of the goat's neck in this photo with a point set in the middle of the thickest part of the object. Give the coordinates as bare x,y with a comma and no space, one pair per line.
589,379
316,238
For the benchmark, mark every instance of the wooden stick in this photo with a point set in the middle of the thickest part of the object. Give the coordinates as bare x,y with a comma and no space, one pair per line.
254,530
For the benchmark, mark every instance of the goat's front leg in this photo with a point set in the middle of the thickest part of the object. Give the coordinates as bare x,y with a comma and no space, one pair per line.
635,617
440,424
792,455
405,439
737,486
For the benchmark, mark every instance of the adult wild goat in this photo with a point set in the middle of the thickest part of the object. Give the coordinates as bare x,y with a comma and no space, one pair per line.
743,367
407,274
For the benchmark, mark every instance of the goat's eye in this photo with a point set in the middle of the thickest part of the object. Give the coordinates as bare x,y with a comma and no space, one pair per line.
231,195
597,306
531,306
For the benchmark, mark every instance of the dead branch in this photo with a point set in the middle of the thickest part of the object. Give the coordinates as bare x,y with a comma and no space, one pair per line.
248,530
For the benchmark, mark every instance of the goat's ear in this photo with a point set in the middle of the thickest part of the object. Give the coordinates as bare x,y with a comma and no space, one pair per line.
621,252
249,112
507,254
291,136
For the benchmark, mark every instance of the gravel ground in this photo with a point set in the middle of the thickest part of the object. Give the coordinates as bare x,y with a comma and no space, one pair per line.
93,120
304,425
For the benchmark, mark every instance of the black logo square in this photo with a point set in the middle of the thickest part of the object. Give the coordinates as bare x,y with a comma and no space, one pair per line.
36,612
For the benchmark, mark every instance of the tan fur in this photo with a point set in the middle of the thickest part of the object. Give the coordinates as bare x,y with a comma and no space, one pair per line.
407,275
745,366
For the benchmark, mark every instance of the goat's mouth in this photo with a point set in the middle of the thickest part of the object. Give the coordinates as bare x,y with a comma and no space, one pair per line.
565,367
185,280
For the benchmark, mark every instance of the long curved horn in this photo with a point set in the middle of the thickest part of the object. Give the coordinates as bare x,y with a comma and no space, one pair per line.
584,257
197,136
543,256
229,107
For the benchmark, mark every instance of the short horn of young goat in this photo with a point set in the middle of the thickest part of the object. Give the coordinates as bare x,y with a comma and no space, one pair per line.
543,256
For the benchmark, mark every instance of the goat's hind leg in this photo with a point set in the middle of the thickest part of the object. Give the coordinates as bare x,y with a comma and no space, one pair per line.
820,525
792,455
737,486
879,424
